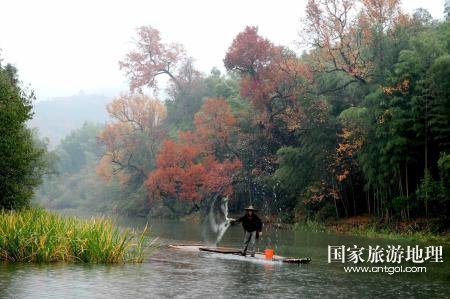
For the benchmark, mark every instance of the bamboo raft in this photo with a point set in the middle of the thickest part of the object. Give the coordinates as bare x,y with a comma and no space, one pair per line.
236,251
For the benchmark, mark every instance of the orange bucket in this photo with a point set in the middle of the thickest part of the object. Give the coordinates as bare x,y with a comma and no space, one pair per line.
268,253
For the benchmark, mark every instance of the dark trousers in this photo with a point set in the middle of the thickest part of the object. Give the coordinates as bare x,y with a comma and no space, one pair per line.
249,242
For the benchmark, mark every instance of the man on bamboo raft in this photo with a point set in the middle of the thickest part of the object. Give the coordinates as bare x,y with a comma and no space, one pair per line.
252,226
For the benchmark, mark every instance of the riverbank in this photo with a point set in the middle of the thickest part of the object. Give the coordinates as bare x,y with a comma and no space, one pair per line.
40,236
415,230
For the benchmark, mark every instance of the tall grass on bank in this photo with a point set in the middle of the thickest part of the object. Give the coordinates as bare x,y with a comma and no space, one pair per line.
39,236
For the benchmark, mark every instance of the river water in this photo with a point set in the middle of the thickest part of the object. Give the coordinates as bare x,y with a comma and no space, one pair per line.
171,273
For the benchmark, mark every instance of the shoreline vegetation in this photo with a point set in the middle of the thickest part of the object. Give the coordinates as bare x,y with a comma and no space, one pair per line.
40,236
421,230
418,230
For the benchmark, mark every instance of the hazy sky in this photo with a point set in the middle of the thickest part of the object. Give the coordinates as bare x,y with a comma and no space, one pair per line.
62,47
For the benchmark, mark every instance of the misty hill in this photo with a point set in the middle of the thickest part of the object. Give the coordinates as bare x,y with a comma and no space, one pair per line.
57,117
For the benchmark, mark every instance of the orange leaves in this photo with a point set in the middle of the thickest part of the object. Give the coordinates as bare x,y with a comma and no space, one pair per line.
332,27
138,110
344,157
116,139
328,21
114,136
215,122
342,31
384,13
341,177
220,175
187,168
180,178
179,153
294,117
402,87
131,113
131,140
186,172
103,168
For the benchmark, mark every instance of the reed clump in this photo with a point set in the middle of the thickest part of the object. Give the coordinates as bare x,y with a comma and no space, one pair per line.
40,236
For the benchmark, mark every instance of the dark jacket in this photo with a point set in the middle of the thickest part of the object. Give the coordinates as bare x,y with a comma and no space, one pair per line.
250,224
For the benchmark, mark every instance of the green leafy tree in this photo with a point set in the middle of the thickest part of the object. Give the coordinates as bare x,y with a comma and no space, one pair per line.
22,159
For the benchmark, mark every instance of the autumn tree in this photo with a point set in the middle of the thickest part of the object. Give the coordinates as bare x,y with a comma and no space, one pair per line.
197,165
131,141
151,59
331,28
382,15
356,45
272,79
216,127
347,36
271,76
277,84
185,171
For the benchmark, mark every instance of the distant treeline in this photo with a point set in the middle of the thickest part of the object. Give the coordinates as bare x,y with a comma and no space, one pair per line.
58,117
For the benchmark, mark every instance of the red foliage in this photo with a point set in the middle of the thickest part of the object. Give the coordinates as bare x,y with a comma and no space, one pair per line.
185,171
249,52
151,59
187,168
272,77
284,79
215,122
219,175
268,72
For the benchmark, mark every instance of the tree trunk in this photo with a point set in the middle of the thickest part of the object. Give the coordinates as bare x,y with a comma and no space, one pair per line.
407,190
335,207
